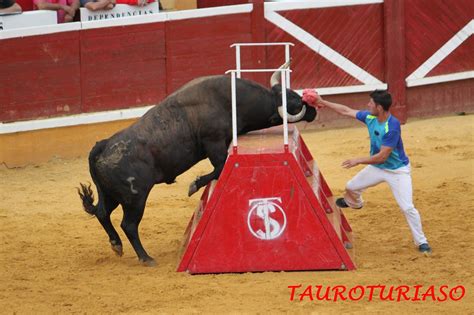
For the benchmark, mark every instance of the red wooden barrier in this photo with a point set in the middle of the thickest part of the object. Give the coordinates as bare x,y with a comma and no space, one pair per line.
137,65
356,32
216,3
123,67
40,76
427,32
26,5
201,46
395,73
441,98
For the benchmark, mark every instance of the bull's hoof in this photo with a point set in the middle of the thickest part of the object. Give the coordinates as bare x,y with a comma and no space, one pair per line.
117,249
192,189
148,262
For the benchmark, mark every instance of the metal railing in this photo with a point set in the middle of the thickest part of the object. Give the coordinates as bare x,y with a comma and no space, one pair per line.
284,75
237,54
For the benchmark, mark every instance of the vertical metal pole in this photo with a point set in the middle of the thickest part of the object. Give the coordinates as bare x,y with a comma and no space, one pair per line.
285,113
237,59
287,58
234,113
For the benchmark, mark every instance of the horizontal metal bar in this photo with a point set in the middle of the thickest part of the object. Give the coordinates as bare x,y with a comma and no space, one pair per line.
256,70
263,44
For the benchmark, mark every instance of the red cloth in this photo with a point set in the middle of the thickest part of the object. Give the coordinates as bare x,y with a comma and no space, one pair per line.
310,97
60,13
26,5
131,2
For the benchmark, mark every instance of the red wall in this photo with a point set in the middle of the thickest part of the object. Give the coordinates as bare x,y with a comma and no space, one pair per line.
200,47
41,76
429,24
26,5
217,3
440,99
123,69
138,65
114,67
356,32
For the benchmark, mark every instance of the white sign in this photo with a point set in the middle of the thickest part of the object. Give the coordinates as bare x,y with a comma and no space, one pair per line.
120,11
28,19
266,219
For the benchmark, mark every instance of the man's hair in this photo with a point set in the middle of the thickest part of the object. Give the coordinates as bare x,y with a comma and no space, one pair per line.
382,98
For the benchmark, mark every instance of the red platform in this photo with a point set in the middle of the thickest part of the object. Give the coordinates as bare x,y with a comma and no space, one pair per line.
270,210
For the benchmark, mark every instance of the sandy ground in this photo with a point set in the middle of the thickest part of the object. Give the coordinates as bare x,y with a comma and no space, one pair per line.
56,259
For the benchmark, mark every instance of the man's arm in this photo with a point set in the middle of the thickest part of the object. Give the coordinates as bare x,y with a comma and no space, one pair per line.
378,158
43,5
75,5
338,108
100,5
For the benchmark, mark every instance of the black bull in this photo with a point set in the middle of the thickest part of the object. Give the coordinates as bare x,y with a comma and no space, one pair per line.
190,125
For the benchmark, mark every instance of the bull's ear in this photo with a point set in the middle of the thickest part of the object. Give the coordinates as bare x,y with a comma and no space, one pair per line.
276,94
276,89
275,119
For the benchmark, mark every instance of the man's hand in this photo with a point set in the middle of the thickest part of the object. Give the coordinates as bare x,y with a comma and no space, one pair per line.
378,158
69,10
350,163
319,101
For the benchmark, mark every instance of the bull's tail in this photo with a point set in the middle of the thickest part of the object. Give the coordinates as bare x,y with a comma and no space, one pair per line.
85,192
87,196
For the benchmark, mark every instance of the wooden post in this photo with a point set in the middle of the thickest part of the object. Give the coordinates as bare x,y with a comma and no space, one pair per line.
394,24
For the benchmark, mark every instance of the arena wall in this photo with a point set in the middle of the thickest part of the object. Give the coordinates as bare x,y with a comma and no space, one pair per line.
122,68
421,50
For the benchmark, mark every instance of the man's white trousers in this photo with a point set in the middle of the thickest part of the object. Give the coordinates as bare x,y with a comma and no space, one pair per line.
400,183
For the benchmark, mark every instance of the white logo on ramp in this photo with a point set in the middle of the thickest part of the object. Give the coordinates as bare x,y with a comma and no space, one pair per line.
266,219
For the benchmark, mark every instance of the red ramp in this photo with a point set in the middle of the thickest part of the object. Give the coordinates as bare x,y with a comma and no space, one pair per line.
270,210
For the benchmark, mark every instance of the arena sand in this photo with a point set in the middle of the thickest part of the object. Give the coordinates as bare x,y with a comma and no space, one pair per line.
56,259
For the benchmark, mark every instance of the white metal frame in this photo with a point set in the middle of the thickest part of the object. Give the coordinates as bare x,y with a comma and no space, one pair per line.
284,75
285,83
237,54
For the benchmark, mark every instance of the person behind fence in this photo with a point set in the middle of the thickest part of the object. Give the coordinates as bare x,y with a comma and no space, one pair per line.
387,161
139,3
95,5
9,7
66,9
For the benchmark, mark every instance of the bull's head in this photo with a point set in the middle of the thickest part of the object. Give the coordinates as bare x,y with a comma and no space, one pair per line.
297,108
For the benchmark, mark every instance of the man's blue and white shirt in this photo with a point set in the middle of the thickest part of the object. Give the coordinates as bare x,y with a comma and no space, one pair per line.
387,133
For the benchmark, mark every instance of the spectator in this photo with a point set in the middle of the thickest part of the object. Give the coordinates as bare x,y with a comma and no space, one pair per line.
66,9
95,5
139,3
9,6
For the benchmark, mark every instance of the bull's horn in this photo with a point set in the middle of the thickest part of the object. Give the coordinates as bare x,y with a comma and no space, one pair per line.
276,76
293,118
